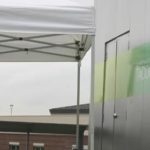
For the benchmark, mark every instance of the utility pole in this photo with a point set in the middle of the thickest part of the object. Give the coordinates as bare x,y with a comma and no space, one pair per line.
11,109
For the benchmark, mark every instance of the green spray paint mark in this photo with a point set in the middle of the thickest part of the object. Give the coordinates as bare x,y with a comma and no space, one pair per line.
131,78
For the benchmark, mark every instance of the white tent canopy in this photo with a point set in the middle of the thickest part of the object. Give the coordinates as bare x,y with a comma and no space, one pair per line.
45,30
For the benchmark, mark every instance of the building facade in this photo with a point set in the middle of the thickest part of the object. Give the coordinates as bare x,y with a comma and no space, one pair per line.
18,141
44,141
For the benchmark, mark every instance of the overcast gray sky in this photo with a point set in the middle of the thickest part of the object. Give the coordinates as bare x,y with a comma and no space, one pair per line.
33,88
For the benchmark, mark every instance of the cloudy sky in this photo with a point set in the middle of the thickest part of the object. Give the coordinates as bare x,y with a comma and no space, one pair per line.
33,88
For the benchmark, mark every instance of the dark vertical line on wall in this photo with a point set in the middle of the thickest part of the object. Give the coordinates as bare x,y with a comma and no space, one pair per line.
115,92
128,42
104,83
103,99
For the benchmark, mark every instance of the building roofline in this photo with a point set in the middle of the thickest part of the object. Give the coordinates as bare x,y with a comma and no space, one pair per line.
84,109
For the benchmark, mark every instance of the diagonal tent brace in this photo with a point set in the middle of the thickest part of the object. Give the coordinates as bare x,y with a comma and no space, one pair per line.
42,45
31,39
35,49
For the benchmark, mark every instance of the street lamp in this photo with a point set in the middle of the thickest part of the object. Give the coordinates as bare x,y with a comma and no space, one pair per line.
11,109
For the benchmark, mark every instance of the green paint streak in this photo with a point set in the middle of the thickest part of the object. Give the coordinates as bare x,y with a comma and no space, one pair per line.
98,89
131,78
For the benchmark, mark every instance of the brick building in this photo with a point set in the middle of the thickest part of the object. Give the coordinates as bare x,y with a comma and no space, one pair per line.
54,132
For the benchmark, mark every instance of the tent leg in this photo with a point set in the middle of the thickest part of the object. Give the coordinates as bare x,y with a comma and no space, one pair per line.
28,139
78,103
81,139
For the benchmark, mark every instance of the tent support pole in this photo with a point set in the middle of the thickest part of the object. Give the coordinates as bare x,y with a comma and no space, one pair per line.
81,139
78,103
28,139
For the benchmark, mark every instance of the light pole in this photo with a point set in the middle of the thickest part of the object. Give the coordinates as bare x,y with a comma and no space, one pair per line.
11,109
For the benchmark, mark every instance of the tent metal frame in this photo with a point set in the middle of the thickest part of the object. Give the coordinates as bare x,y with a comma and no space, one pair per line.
46,45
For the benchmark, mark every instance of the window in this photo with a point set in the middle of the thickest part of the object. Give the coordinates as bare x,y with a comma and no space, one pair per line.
38,146
13,145
85,147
